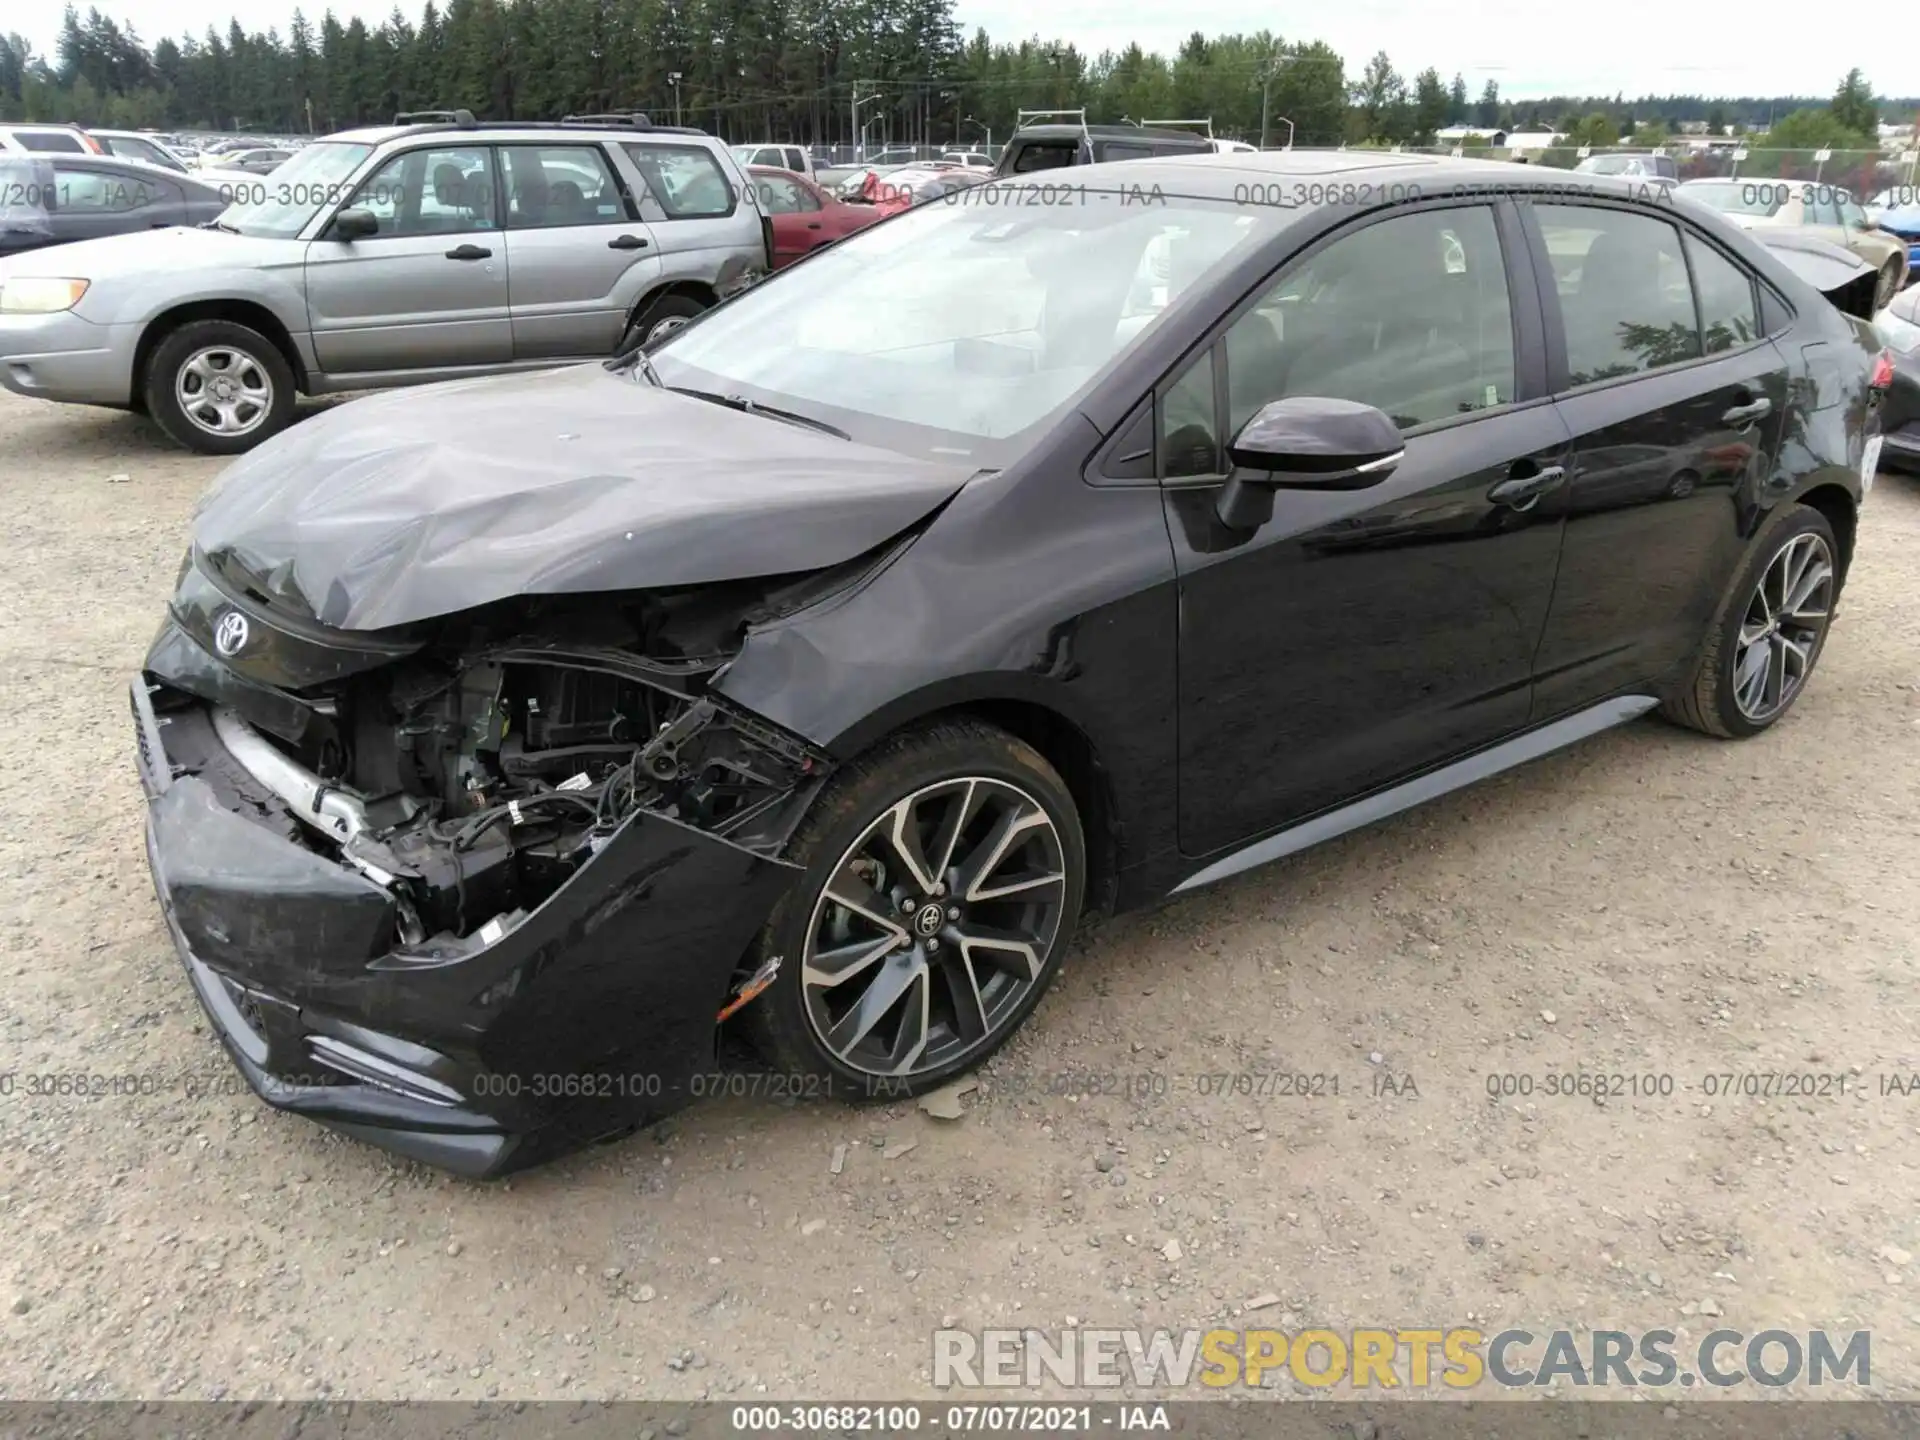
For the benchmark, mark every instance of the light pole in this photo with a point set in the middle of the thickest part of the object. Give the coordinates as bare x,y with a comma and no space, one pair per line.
857,132
1289,124
986,130
673,79
1268,69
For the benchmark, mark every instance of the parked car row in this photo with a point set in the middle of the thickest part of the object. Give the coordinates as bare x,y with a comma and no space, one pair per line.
1829,211
57,198
392,255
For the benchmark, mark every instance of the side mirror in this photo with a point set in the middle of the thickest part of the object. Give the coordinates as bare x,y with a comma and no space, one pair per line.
1305,442
354,224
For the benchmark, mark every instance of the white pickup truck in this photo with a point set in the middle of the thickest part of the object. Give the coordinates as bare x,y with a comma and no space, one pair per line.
796,158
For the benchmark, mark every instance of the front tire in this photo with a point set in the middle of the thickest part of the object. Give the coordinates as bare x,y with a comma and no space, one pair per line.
218,387
943,877
1769,631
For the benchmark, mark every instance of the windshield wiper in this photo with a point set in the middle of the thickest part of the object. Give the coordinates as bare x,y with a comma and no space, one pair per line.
754,407
221,225
637,359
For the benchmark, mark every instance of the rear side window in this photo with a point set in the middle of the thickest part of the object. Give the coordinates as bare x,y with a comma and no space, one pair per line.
1624,295
684,182
1048,156
1728,315
552,186
779,196
1121,150
94,192
50,142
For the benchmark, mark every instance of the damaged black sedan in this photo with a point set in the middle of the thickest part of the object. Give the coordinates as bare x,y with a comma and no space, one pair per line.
509,742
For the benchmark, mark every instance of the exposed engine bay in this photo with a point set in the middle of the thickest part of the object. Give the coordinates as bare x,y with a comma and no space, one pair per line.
473,777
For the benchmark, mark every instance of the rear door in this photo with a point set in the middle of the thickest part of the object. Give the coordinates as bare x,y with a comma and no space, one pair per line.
429,289
703,218
1675,399
798,217
579,254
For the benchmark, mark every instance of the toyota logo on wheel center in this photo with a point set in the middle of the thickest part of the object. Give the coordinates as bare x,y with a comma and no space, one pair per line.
231,633
929,920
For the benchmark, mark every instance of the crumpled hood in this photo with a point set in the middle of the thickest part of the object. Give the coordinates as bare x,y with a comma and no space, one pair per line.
426,502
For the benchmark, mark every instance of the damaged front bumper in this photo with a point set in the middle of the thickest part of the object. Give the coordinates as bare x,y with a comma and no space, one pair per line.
594,1014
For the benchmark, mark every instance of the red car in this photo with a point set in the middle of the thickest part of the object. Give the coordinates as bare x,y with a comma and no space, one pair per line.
914,185
804,216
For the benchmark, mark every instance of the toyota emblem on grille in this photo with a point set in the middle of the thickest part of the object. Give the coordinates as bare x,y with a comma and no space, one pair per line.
230,635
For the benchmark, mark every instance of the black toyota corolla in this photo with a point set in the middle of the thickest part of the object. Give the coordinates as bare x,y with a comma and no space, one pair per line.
815,676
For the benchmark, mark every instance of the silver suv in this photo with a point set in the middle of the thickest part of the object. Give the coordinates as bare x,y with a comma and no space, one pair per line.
434,248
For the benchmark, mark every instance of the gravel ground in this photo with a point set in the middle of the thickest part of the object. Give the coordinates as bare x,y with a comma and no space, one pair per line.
1650,902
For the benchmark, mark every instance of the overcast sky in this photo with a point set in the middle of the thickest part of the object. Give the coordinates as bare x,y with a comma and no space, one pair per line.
1531,48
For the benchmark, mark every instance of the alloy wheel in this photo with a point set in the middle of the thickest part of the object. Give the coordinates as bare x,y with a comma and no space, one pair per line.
223,391
666,327
1781,631
933,928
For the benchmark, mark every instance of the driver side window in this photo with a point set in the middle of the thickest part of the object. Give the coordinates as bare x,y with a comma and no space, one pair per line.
430,192
1410,315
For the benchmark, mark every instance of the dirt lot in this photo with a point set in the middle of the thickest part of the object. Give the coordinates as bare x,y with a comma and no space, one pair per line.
1650,902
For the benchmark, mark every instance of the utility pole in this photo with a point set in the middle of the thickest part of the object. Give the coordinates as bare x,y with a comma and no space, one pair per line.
1268,68
673,79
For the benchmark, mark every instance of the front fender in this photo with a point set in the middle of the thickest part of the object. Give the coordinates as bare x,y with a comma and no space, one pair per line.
1035,589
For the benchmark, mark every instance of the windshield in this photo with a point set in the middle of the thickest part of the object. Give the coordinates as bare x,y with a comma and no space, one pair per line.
975,320
1739,197
280,205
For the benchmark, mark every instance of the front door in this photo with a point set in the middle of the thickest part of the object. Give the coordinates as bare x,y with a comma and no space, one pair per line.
1676,401
1358,637
580,257
429,289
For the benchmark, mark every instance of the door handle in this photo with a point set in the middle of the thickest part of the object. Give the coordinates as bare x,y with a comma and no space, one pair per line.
1747,414
626,242
1523,491
813,225
469,252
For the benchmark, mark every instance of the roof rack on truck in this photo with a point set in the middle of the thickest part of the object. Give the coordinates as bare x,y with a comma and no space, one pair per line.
1024,118
1206,125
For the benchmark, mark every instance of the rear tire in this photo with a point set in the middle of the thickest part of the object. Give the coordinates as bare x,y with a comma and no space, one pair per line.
1777,611
659,320
218,387
1892,276
968,957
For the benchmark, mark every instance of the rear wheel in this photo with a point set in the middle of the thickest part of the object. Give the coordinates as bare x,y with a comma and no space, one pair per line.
1769,632
659,320
218,387
944,875
1892,275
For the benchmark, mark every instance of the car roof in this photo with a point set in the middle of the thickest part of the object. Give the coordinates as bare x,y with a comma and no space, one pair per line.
1207,174
490,130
